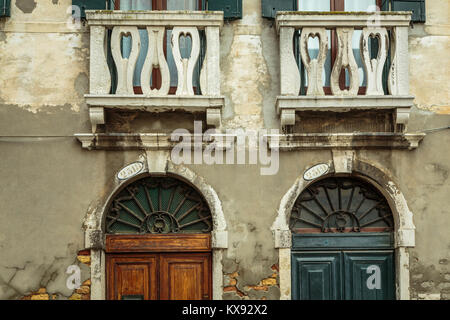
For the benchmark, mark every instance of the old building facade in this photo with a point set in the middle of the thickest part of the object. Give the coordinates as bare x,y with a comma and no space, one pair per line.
170,150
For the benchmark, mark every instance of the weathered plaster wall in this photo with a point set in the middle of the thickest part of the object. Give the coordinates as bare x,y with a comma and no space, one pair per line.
50,183
429,64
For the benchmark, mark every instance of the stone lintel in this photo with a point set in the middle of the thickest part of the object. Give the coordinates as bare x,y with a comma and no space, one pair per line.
147,18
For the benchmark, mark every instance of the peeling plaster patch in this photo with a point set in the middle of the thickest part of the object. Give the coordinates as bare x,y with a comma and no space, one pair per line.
21,79
440,173
250,19
427,284
427,55
81,84
26,6
440,109
55,1
2,37
247,70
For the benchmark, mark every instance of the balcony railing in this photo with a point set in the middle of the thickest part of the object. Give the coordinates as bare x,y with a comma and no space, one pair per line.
391,31
156,25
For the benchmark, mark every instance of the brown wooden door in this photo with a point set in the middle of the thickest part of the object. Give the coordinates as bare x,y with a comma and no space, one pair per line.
168,276
185,276
132,277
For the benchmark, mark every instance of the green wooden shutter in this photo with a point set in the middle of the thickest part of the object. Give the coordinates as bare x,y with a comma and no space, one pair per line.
316,276
232,9
5,8
356,266
416,6
89,5
270,7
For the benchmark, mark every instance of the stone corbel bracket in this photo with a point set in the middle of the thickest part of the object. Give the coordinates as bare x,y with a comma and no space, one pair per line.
288,105
97,116
212,106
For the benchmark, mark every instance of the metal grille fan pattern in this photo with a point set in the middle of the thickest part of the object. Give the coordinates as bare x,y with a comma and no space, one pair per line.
341,205
158,205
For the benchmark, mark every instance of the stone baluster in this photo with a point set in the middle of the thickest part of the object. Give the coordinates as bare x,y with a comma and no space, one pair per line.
345,60
374,67
314,67
100,78
289,73
125,66
185,66
210,73
155,59
398,81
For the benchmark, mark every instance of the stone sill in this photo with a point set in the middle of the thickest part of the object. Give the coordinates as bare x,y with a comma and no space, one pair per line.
342,103
378,140
288,105
212,106
149,18
155,103
300,19
146,141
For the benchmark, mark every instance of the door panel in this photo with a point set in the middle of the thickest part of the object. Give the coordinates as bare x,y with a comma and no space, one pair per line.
185,277
369,275
316,275
132,277
172,276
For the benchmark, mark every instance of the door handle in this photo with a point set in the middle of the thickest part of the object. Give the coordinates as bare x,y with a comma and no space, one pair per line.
205,297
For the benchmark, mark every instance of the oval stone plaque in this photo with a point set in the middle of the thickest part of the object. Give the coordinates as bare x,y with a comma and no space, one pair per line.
316,171
130,170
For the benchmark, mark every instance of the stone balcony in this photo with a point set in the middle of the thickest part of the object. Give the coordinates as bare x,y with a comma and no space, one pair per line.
107,30
391,31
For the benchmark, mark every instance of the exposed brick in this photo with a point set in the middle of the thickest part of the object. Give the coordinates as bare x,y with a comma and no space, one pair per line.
230,289
40,297
84,259
75,296
83,290
87,282
269,282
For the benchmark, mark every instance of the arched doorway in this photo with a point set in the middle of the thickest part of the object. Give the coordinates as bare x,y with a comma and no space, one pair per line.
158,241
342,242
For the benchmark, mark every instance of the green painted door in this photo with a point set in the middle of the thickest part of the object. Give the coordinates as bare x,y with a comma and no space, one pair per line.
317,275
349,275
369,275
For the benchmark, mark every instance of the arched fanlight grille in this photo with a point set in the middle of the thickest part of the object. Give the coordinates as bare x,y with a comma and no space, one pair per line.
341,204
158,205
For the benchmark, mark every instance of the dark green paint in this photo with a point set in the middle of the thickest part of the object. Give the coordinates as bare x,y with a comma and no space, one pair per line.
416,6
334,241
316,276
342,275
232,9
356,275
5,8
89,5
271,7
